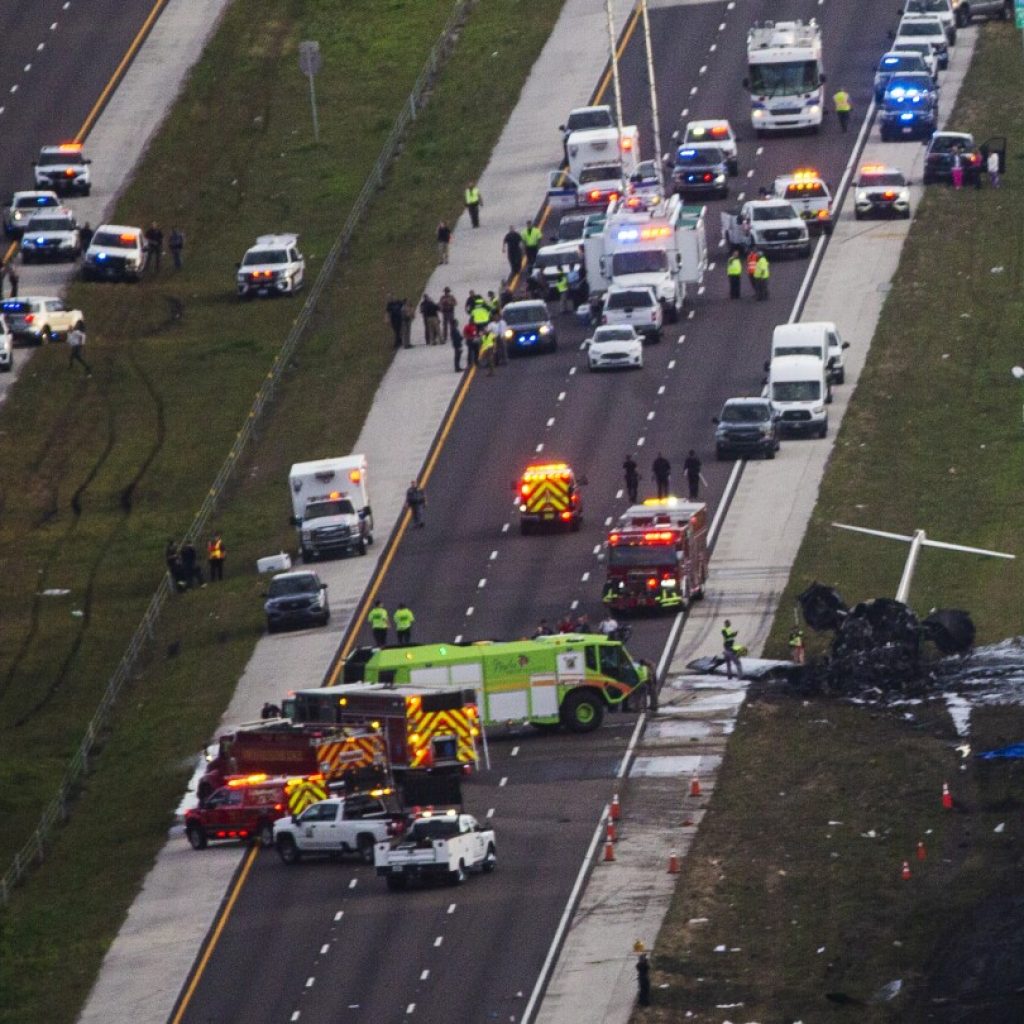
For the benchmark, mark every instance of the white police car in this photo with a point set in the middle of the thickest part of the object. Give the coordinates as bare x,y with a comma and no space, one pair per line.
880,191
63,168
718,131
116,253
51,234
273,266
22,206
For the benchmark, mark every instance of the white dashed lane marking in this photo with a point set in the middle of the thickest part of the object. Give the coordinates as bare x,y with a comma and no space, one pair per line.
490,812
540,447
503,782
739,199
551,421
469,611
597,549
640,442
618,494
574,604
295,1016
561,396
438,941
693,90
702,70
325,948
750,173
671,364
650,416
410,1008
481,584
339,915
721,27
27,68
504,529
585,577
309,982
424,975
353,883
494,555
608,521
458,639
712,47
661,390
514,752
451,908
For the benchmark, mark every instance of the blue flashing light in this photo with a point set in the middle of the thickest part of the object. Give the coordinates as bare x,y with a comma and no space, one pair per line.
687,152
628,235
891,61
42,200
101,256
909,116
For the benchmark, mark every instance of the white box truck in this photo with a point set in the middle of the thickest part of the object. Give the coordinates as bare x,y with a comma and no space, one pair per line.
331,507
600,162
785,77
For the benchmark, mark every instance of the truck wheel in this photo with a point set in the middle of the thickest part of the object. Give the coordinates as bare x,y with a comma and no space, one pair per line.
458,876
582,712
196,837
308,557
364,844
396,883
769,452
490,860
265,833
288,851
362,547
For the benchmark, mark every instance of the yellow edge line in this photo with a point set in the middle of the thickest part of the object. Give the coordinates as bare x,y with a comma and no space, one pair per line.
222,920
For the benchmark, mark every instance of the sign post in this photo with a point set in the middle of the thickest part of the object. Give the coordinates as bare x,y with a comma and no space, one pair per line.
310,60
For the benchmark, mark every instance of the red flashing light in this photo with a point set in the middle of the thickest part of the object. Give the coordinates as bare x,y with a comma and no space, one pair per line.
595,194
652,582
70,147
525,490
659,536
614,538
69,172
719,130
567,515
627,144
30,318
872,169
888,194
707,175
126,237
822,214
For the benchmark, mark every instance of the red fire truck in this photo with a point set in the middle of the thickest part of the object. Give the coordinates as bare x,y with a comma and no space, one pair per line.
657,556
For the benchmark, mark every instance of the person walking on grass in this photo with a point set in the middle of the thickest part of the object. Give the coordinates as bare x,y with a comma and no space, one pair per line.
76,342
215,556
176,243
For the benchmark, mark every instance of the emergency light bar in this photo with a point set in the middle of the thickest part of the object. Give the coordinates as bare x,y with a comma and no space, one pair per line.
642,234
70,147
872,169
543,472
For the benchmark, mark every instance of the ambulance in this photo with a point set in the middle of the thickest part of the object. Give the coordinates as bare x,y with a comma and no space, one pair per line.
567,679
548,494
601,160
331,506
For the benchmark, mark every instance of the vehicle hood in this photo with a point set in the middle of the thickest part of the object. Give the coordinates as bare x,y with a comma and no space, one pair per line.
321,521
262,268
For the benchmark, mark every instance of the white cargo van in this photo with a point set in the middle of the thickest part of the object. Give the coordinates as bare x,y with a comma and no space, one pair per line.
818,338
331,506
799,392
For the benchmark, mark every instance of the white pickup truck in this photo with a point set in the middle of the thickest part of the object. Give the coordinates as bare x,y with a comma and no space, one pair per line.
445,846
768,225
337,825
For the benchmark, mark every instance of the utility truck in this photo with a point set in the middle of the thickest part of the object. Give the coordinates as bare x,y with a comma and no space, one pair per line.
770,226
785,75
339,825
600,162
331,506
442,846
657,244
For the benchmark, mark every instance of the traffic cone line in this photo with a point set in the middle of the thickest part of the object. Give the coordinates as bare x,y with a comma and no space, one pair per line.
922,853
673,863
905,873
609,852
947,797
694,785
611,834
615,809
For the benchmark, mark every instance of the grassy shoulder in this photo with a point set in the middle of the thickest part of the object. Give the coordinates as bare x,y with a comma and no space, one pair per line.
797,867
176,363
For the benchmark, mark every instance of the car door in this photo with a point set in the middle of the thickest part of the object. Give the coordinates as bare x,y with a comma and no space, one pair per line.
224,809
57,317
997,144
319,826
562,190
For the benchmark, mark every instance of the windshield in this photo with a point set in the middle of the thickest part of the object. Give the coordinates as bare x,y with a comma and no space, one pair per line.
260,256
799,350
51,224
613,334
796,391
786,79
597,118
630,299
632,555
35,202
113,240
876,180
439,828
556,259
946,143
928,7
526,313
611,172
293,585
908,62
699,157
643,261
571,228
924,27
60,159
332,507
773,213
745,414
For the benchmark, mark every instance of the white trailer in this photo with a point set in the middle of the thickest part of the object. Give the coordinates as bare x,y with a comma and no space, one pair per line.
331,506
785,76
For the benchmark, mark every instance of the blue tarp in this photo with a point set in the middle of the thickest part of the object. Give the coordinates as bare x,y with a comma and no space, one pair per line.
1011,753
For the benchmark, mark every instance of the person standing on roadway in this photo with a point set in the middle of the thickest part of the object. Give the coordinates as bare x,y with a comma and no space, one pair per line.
488,349
761,274
532,237
76,342
751,267
734,271
444,239
512,247
404,619
472,340
473,203
662,470
562,291
729,652
691,467
457,346
629,469
379,623
842,102
417,502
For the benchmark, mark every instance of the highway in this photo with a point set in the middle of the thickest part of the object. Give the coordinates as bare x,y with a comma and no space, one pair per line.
326,942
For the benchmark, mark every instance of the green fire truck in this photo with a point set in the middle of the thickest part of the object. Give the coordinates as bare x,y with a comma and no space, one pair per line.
568,679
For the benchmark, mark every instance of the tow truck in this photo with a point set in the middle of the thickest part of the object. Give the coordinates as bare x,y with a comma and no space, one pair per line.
658,556
442,846
548,495
809,195
785,75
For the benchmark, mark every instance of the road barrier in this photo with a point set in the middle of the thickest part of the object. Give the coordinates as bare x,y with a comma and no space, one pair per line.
58,809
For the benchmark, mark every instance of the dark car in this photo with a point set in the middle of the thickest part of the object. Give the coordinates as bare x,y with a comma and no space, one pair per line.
893,63
910,107
296,599
747,426
938,157
701,170
528,327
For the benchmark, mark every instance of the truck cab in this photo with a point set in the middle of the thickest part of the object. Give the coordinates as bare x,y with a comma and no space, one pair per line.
339,825
331,506
809,194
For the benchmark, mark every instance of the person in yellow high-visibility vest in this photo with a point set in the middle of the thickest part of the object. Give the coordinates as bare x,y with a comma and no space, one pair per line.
843,107
404,619
734,271
488,349
761,275
532,237
473,203
379,622
215,555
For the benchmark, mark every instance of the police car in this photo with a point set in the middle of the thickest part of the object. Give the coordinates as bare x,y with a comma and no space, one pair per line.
910,107
273,266
717,131
809,195
51,234
528,327
881,191
39,318
116,253
63,168
6,347
701,169
895,63
22,206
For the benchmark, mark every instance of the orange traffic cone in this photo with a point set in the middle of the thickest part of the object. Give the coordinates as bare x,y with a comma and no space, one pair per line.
947,797
615,809
694,785
610,833
905,873
609,852
922,853
673,863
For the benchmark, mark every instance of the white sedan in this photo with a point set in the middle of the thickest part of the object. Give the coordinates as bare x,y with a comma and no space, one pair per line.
615,346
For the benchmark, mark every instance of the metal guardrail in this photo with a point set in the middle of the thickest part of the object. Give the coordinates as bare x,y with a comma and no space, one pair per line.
57,811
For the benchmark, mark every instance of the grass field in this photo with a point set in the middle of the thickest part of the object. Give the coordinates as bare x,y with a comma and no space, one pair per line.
98,474
784,869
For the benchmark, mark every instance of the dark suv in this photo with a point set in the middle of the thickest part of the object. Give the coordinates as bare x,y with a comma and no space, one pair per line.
296,599
747,426
701,170
910,107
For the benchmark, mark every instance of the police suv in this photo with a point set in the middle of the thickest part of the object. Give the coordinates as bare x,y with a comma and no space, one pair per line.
273,266
63,168
910,107
22,206
116,253
51,234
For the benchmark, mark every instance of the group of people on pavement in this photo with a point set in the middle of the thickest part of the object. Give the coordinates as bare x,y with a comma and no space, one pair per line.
380,623
757,269
183,562
661,471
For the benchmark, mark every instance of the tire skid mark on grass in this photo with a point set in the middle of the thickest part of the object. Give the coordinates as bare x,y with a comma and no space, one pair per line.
128,491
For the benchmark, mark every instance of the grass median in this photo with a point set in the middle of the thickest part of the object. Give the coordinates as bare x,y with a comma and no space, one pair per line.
796,872
98,473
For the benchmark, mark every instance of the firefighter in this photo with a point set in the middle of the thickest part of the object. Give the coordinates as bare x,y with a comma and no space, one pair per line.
404,619
729,652
379,623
